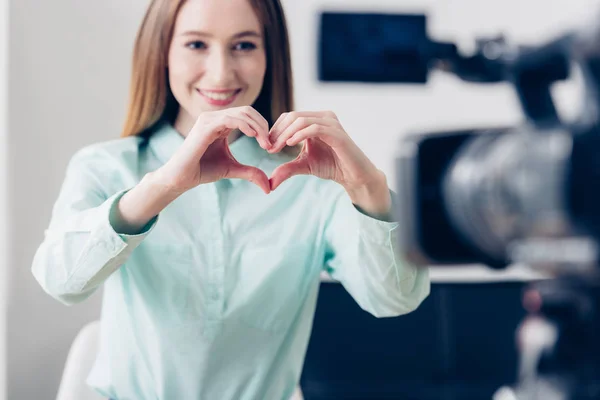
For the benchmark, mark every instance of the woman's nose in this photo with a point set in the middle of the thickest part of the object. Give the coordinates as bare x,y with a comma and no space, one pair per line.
220,68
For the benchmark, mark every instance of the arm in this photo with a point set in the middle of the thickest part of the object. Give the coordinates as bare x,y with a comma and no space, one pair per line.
362,248
363,254
91,234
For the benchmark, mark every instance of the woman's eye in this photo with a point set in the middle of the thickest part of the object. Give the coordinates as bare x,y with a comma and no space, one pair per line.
245,46
196,45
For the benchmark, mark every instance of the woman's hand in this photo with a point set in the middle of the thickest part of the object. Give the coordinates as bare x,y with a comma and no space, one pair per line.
205,157
329,153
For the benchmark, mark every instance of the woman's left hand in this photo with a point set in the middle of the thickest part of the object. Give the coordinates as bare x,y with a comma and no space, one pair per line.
329,153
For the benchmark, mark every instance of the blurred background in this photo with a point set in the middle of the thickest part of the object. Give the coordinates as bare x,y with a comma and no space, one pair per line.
64,73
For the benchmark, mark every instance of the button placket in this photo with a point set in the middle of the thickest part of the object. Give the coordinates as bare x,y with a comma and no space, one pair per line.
216,267
220,265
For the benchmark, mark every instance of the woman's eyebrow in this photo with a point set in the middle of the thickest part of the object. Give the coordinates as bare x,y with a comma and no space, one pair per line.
236,36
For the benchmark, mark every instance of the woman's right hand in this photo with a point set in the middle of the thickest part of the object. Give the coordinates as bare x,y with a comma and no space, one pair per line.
205,157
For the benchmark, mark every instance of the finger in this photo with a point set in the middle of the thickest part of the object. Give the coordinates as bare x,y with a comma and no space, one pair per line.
260,120
299,166
242,124
258,123
286,119
298,125
204,133
247,121
315,130
251,174
282,122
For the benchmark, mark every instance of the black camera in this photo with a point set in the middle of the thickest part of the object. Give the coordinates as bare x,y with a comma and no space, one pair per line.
498,195
526,194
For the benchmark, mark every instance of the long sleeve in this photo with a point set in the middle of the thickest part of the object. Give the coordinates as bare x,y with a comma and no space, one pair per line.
363,254
81,249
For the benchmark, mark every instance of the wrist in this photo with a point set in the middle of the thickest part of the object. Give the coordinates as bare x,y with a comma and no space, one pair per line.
373,196
160,187
153,194
141,204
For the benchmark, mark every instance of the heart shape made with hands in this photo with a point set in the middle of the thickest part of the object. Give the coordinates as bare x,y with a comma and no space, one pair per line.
323,138
235,169
327,151
315,157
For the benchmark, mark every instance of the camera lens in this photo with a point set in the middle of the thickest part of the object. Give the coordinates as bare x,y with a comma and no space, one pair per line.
501,187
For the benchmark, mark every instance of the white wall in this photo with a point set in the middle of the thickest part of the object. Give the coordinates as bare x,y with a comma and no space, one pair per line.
375,116
4,248
69,74
69,70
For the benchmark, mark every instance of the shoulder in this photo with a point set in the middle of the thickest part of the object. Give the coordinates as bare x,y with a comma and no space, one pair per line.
112,152
109,166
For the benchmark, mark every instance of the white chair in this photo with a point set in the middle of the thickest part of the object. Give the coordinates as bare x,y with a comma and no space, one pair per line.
79,364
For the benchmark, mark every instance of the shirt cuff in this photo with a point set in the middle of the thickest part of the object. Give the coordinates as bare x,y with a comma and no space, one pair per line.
376,230
108,249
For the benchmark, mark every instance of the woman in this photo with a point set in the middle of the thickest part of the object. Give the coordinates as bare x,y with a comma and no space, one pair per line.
210,283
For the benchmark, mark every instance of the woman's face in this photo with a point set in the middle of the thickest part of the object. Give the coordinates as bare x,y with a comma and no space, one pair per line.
217,57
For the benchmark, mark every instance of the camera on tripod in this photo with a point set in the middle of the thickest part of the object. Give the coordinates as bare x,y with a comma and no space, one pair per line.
526,194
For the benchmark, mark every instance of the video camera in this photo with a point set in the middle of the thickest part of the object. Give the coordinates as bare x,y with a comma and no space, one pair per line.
495,195
527,194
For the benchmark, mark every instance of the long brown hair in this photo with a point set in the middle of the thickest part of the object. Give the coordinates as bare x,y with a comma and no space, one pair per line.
150,97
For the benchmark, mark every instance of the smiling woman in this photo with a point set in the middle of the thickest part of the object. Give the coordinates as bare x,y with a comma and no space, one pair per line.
222,65
192,47
210,284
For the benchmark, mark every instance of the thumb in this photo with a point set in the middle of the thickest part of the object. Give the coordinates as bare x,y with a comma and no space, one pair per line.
251,174
297,167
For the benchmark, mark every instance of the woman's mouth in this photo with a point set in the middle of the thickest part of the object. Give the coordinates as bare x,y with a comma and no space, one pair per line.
219,97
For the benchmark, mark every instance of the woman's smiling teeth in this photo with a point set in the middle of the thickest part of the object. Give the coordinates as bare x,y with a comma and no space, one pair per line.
218,95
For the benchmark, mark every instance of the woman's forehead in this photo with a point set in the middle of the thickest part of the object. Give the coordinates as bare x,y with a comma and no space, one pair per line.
217,17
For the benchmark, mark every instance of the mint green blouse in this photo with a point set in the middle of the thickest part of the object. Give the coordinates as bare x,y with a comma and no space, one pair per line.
215,299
